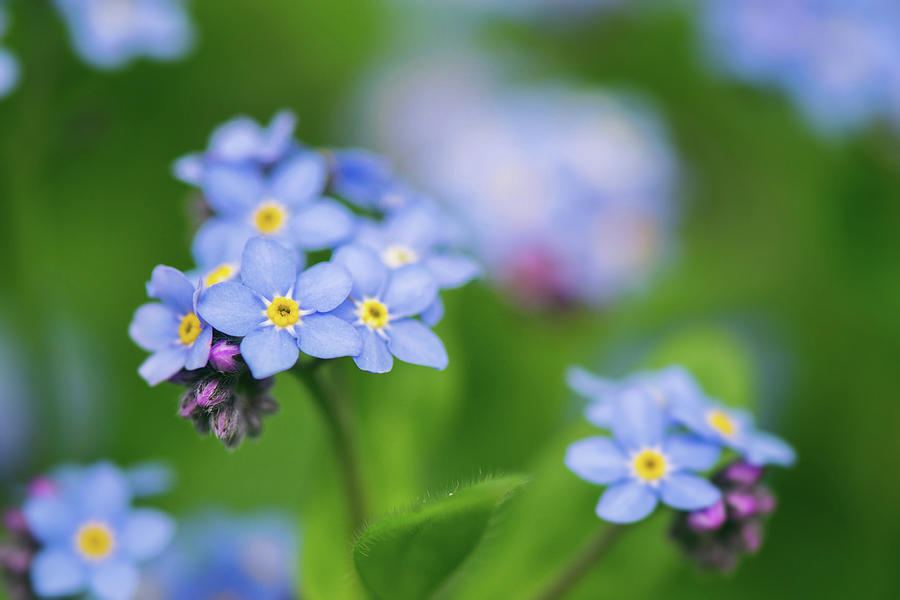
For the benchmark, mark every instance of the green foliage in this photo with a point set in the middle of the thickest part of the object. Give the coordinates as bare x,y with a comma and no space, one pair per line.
409,555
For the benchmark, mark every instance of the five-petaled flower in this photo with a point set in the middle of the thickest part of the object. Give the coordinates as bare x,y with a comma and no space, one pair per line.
178,338
278,312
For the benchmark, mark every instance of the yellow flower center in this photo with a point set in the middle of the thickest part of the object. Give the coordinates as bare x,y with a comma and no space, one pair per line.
373,313
284,312
189,329
649,465
269,217
721,422
398,255
223,272
94,540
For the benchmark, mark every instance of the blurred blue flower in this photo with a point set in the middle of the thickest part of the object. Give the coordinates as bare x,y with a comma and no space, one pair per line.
240,141
108,34
368,181
277,311
178,338
90,538
838,61
9,65
642,464
383,304
285,205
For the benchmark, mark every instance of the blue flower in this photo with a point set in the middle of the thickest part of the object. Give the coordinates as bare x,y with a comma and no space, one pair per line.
90,537
382,305
9,66
110,33
285,205
279,312
733,428
368,181
172,331
415,236
240,141
642,464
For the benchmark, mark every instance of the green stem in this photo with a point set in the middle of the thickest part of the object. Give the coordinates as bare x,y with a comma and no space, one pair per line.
582,563
337,413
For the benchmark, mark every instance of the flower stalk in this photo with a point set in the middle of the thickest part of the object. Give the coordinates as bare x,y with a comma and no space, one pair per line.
581,564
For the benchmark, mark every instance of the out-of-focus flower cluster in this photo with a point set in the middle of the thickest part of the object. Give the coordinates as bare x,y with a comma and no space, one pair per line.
382,253
77,533
838,61
9,64
568,193
665,433
550,9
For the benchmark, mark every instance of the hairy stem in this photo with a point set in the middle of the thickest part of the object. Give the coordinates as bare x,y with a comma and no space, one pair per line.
338,416
581,564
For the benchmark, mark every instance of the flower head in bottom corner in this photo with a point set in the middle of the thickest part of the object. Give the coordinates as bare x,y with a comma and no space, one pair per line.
643,465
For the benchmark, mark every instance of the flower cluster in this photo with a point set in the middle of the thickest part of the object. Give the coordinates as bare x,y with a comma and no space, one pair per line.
9,65
838,61
383,254
665,434
568,194
77,532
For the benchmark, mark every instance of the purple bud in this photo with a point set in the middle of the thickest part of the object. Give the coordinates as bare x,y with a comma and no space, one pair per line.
742,505
223,357
42,486
226,425
188,404
14,521
743,473
751,535
765,501
212,392
15,560
707,519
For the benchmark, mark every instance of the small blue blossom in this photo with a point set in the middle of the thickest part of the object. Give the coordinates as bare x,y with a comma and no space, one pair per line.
9,65
171,330
643,464
383,304
284,205
368,181
90,538
240,141
108,34
278,312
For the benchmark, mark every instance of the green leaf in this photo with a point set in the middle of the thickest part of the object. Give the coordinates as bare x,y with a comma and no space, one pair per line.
409,555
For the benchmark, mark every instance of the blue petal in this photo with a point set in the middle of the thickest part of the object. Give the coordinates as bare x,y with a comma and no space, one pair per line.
368,272
268,351
232,308
299,179
638,421
268,267
114,580
410,290
154,327
220,241
163,364
598,460
236,140
278,136
375,356
103,491
56,572
146,533
323,287
346,311
432,315
233,190
691,453
412,342
189,169
173,288
198,353
764,448
627,502
600,413
49,518
9,72
322,224
688,492
585,383
150,479
326,336
452,270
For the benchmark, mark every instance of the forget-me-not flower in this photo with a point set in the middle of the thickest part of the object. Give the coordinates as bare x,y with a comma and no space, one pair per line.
643,464
9,65
279,312
172,330
368,181
111,33
284,205
383,305
90,538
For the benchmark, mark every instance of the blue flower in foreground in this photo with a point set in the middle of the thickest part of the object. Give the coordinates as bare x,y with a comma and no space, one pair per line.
178,338
642,464
279,312
382,305
110,33
286,205
90,537
735,429
415,236
240,140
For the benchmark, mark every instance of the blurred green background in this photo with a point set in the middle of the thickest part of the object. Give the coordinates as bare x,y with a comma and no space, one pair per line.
785,294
